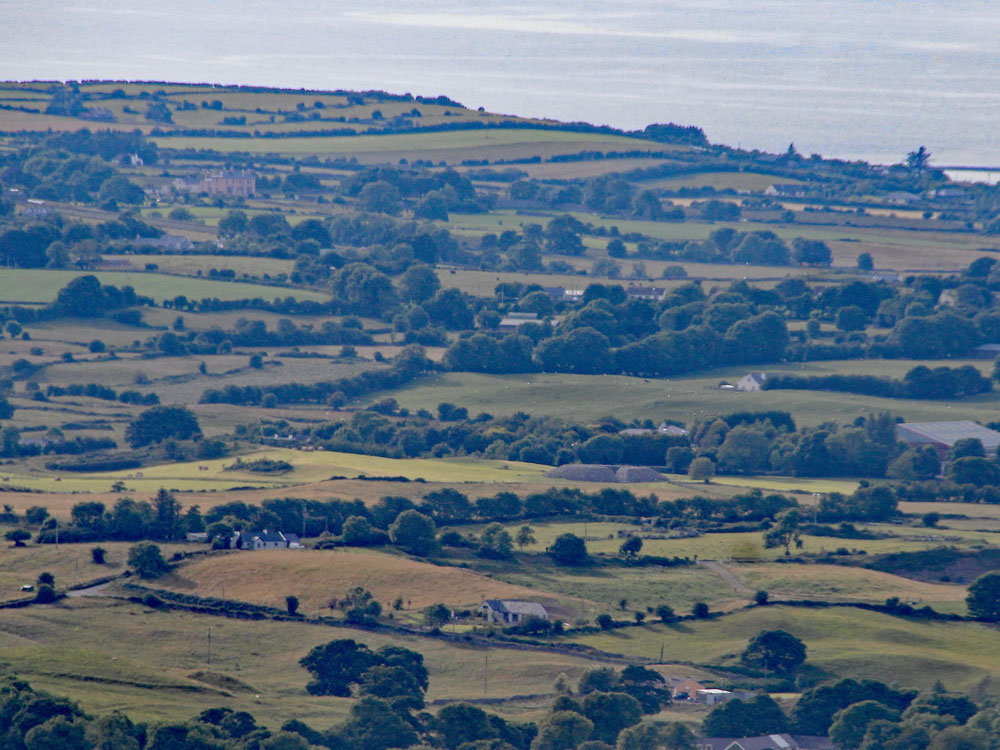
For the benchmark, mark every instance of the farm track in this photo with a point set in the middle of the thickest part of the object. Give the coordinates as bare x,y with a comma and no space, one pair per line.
726,575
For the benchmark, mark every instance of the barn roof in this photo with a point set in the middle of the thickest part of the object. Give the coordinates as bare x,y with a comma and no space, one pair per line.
947,433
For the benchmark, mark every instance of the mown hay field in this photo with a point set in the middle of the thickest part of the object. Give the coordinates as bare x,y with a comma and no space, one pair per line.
318,576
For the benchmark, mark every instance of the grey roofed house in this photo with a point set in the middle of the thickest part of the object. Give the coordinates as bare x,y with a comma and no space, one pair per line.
517,319
943,435
752,381
511,610
645,292
765,742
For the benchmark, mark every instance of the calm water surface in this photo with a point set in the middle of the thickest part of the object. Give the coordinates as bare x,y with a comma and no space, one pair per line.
866,79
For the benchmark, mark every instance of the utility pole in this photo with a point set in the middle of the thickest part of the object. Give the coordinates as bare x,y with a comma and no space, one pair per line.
486,674
209,645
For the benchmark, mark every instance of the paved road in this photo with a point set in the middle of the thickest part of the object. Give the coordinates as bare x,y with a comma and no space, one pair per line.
726,575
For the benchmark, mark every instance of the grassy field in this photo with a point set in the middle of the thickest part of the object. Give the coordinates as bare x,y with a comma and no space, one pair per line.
71,564
316,576
153,665
841,583
418,145
36,285
190,265
739,181
309,467
849,643
689,398
602,537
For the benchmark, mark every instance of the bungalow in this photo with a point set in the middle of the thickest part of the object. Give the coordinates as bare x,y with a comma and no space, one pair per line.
685,686
753,381
511,611
649,293
268,540
765,742
172,242
784,190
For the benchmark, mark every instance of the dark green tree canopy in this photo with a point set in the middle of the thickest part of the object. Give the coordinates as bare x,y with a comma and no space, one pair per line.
776,650
160,423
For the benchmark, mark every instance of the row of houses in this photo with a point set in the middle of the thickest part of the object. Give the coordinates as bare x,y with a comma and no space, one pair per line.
230,183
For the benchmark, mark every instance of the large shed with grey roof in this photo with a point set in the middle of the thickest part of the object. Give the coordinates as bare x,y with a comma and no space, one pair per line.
943,435
510,611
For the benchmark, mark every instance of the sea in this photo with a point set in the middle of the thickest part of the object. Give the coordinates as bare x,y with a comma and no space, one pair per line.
854,79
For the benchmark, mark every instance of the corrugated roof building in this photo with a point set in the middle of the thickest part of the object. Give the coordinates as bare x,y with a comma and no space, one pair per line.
943,435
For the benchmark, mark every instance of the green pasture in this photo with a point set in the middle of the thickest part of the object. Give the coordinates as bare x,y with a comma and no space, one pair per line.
589,592
38,285
602,538
308,467
688,398
154,665
891,248
739,181
844,642
416,142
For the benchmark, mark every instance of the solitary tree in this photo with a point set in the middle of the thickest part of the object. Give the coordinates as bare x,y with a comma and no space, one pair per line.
147,560
701,469
776,650
436,615
525,536
918,160
292,604
18,536
631,546
785,531
568,549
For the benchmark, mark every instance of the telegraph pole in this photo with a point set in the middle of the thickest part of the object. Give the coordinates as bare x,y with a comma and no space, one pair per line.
486,674
209,645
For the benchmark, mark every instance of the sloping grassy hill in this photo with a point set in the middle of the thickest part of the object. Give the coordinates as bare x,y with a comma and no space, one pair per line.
845,642
152,664
317,576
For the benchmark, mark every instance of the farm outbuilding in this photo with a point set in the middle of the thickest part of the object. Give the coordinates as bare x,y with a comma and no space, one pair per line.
943,435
